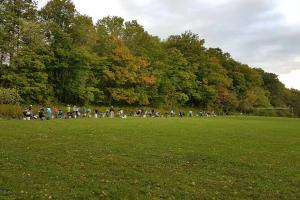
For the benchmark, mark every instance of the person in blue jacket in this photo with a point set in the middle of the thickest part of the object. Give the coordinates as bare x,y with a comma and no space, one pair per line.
49,113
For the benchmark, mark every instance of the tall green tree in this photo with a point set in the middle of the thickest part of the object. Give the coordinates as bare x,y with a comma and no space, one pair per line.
25,52
13,14
193,50
277,91
293,101
177,83
71,38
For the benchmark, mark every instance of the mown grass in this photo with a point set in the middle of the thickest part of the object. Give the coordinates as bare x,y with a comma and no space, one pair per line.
213,158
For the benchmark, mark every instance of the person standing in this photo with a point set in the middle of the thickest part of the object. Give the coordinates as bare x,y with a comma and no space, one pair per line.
190,113
69,111
180,114
172,113
74,111
84,111
96,113
55,111
121,113
49,113
77,112
88,112
112,112
60,114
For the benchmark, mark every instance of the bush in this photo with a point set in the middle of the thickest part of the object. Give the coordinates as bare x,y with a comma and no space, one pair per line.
11,111
9,96
272,112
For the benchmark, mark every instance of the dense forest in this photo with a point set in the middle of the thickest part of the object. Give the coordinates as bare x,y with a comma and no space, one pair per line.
56,55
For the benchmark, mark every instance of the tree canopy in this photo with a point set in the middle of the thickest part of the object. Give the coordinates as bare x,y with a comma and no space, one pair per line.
55,54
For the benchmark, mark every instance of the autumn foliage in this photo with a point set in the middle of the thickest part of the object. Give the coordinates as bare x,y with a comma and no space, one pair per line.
55,54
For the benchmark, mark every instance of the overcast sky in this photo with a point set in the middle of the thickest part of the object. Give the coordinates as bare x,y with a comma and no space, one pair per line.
261,33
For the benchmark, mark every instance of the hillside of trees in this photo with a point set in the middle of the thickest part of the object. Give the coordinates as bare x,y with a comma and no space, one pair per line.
57,55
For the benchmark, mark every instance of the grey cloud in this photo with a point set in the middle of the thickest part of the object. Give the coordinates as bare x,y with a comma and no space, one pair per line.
251,30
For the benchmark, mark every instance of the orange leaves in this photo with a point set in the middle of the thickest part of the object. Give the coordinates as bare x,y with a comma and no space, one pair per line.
121,52
149,80
223,94
128,75
140,63
127,68
124,75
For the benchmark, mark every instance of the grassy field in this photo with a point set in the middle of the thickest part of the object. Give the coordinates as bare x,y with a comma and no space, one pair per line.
219,158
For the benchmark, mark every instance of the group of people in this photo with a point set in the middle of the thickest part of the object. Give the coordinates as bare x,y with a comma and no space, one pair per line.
86,112
44,113
68,113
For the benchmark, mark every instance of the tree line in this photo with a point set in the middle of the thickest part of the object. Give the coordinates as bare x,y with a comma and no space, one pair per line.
55,54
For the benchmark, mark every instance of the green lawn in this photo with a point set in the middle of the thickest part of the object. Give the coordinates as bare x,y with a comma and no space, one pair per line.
219,158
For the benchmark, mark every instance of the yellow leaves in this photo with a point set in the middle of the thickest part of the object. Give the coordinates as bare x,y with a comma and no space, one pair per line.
126,75
140,63
109,74
214,60
121,52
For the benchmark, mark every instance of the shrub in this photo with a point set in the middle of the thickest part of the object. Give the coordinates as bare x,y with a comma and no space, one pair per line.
9,96
11,111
